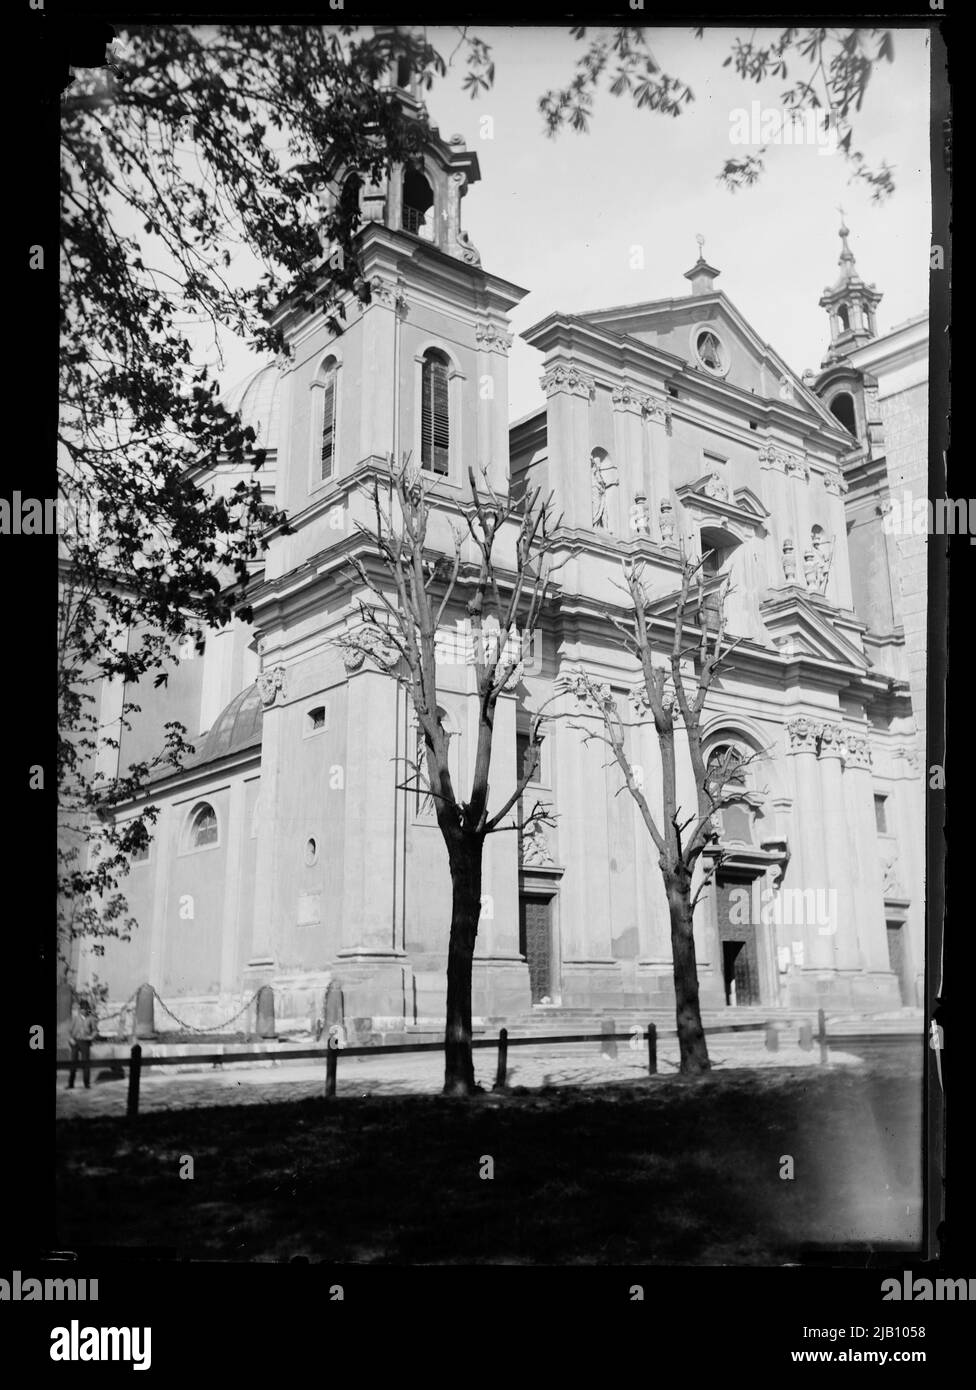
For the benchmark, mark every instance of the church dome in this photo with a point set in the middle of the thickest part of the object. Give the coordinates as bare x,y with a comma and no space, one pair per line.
258,399
237,727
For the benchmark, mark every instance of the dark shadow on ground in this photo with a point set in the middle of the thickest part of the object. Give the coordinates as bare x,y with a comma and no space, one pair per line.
668,1170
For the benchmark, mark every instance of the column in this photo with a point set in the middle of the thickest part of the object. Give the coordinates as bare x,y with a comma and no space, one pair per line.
782,519
841,929
381,395
807,868
869,889
260,966
237,830
164,850
628,450
369,795
492,386
839,581
657,468
568,391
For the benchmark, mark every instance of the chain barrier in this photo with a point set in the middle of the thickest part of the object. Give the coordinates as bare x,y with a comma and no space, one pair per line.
130,1004
214,1027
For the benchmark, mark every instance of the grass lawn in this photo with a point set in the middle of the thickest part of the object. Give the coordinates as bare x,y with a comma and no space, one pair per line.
664,1171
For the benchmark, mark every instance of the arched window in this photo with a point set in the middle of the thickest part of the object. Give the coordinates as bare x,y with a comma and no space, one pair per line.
728,759
845,318
726,765
327,443
435,414
842,407
201,829
418,199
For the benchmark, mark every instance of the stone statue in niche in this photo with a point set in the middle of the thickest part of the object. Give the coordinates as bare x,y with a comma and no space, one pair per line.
823,550
666,521
811,570
601,480
641,515
789,561
535,845
716,488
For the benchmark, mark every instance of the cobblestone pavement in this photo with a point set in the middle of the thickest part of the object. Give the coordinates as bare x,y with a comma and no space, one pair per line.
574,1064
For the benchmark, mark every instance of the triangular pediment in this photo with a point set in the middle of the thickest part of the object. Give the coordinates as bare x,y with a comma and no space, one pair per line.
798,629
673,326
709,495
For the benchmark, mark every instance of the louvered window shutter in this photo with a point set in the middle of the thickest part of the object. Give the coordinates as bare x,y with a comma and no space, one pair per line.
435,429
328,425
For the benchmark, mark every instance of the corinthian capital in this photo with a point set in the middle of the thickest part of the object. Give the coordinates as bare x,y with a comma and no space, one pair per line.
569,379
492,339
802,734
771,456
858,751
833,741
627,397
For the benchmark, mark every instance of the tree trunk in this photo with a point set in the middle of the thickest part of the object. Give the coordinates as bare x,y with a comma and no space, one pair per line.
465,860
691,1035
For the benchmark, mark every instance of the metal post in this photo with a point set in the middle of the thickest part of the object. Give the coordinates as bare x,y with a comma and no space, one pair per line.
502,1060
331,1065
135,1069
651,1049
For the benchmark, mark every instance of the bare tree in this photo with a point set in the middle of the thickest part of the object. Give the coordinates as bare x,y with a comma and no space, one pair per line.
417,586
680,835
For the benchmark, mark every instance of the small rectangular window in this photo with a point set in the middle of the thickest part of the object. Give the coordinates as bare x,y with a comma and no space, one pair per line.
881,814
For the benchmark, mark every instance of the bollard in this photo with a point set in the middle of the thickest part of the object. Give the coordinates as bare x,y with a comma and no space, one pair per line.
822,1036
806,1036
772,1037
135,1069
502,1060
651,1050
331,1065
265,1012
145,1019
608,1047
334,1011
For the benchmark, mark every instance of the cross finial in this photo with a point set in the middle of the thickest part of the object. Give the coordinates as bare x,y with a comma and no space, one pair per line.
701,246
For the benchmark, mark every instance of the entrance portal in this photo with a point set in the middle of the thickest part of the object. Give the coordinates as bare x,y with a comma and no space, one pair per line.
535,943
898,960
740,958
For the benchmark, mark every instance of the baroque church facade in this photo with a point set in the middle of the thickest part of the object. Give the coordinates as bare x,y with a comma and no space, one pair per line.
291,850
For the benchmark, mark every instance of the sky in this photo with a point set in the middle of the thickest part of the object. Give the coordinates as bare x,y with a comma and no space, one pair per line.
561,216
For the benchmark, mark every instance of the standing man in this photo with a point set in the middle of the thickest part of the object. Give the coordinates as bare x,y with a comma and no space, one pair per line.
84,1030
